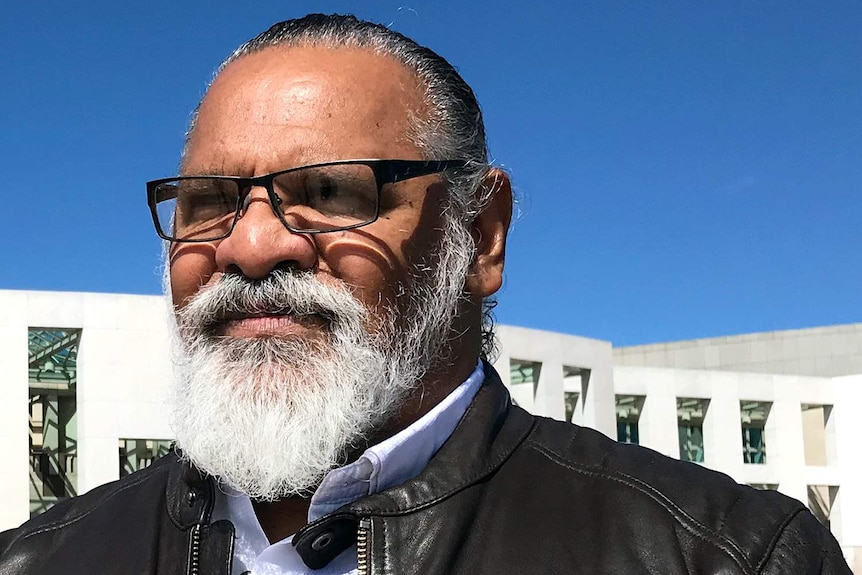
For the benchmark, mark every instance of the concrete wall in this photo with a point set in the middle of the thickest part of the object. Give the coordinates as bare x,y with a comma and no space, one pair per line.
123,374
821,352
557,352
848,397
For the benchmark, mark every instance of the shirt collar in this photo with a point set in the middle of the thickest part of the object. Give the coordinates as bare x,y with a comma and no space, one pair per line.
399,458
389,463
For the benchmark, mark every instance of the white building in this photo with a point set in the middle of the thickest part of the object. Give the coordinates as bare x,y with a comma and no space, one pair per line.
772,410
85,377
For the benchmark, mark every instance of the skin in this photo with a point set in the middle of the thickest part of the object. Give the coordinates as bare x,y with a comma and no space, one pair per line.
286,107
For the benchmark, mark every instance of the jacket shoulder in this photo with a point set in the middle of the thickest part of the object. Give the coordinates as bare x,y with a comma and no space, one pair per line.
750,525
115,501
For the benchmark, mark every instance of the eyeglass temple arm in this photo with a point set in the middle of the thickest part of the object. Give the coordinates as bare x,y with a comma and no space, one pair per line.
398,170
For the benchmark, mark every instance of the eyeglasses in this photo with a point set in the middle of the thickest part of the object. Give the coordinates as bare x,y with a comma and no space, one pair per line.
314,199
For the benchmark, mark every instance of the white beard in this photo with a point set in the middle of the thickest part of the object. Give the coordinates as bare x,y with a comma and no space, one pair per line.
271,416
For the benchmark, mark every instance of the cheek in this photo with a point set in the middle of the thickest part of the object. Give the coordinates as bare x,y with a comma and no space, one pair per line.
373,280
188,273
379,263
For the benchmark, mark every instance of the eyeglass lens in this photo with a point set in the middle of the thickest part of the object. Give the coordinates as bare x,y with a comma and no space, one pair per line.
317,198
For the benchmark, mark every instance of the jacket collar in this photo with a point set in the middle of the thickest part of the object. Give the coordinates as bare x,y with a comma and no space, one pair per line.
190,494
488,433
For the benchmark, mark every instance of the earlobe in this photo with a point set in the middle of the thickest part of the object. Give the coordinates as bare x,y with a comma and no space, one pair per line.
490,229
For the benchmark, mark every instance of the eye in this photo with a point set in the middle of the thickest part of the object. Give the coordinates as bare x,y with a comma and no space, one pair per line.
329,195
326,189
205,200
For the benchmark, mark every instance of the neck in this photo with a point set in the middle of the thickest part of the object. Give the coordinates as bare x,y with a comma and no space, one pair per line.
282,518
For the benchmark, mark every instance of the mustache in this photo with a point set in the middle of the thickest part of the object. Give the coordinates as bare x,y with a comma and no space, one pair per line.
282,292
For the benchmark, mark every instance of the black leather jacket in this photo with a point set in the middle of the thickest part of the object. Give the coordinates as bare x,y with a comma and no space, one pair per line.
508,493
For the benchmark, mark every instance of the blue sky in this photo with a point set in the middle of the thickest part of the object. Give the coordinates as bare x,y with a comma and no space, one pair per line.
686,169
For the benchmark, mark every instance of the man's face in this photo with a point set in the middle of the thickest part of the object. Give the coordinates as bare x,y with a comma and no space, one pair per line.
296,349
287,107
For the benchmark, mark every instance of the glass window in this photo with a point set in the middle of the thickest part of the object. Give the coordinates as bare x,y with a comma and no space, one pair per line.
690,414
821,500
629,408
137,454
753,416
576,386
571,399
753,445
524,372
53,446
764,486
628,432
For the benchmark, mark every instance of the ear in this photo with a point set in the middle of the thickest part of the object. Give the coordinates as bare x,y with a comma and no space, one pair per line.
489,230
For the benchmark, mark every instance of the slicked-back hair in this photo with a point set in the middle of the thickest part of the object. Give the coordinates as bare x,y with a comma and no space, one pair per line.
449,127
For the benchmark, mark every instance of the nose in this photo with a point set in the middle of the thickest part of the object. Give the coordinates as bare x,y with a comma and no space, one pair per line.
260,242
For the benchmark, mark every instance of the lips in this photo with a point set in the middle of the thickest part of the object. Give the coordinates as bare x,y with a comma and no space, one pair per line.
237,324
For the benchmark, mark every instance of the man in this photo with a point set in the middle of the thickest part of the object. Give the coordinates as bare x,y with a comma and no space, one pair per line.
334,240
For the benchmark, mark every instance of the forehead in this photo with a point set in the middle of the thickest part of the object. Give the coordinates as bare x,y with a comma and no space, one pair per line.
288,106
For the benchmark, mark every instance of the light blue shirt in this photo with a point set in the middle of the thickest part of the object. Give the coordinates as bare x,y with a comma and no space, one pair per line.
389,463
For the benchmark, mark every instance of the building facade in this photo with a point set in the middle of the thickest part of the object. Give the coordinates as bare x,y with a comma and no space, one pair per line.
85,383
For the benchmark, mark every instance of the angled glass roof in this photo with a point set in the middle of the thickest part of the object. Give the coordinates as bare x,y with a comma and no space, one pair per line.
53,356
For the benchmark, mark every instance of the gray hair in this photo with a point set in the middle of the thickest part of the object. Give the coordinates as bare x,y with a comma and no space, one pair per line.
451,127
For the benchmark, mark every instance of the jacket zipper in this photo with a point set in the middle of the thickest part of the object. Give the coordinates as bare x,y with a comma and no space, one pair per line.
363,534
195,551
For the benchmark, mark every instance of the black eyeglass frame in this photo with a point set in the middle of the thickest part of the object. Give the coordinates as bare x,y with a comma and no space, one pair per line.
385,172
